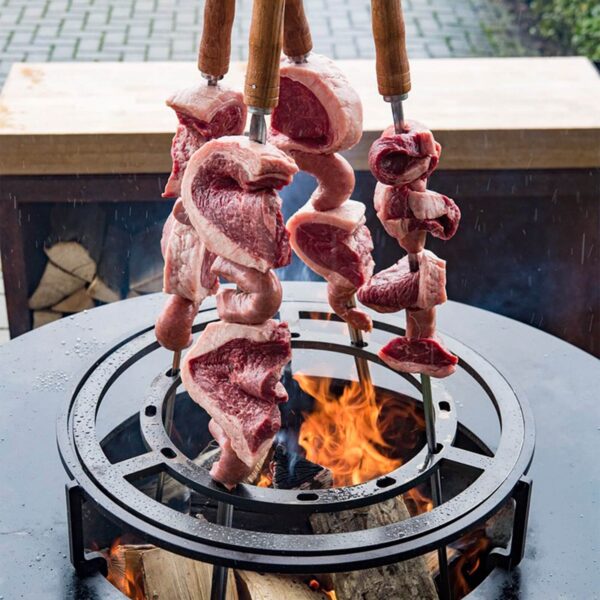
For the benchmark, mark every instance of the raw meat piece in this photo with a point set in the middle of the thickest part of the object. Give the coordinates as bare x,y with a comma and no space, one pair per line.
318,110
229,469
187,262
174,325
401,159
228,197
185,143
256,299
337,245
403,212
397,288
233,372
204,112
422,355
334,174
420,323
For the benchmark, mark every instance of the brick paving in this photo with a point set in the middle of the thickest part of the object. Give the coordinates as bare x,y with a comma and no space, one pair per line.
140,30
134,30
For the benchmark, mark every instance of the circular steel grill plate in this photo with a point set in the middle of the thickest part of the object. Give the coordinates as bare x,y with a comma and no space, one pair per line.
109,487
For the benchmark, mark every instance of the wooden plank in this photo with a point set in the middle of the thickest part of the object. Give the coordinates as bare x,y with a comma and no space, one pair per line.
499,113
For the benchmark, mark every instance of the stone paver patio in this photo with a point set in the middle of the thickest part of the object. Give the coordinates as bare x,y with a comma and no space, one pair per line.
140,30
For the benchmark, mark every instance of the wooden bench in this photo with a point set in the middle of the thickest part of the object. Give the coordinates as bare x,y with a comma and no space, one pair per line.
100,132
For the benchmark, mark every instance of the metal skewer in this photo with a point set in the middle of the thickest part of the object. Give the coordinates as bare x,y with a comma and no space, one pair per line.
393,80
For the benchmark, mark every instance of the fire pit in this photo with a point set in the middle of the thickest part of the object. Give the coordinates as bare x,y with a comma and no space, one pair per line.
476,480
43,371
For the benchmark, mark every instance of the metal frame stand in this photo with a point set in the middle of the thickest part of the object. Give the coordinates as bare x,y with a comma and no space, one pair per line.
85,564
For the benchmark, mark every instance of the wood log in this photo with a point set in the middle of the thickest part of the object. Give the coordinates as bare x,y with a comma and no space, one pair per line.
268,586
168,576
73,258
54,286
76,302
43,317
80,224
409,579
146,263
112,278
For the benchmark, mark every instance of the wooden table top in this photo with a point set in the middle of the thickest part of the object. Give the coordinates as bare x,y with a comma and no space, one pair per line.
498,113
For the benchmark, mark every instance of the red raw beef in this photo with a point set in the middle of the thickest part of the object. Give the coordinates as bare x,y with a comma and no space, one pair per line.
204,112
257,296
419,355
337,245
318,110
229,196
401,159
233,372
398,288
404,212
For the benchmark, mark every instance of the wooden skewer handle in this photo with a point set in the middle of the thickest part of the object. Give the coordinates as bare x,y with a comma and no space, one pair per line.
297,40
393,71
215,45
266,33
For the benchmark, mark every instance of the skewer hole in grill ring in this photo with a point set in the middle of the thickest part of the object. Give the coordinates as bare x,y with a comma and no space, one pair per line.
110,485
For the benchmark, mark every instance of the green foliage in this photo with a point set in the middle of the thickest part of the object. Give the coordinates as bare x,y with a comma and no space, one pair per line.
574,24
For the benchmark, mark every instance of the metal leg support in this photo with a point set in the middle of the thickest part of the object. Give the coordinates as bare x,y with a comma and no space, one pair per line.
218,590
445,589
512,556
85,564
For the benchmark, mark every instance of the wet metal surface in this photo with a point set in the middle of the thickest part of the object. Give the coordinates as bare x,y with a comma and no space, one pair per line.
40,369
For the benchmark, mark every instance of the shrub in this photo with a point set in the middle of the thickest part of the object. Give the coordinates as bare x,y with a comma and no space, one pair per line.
574,24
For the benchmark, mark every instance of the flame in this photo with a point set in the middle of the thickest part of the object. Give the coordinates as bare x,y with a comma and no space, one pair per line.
266,480
422,503
123,575
344,431
315,586
468,564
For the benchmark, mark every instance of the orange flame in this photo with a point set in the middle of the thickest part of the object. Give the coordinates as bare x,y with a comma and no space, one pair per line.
417,502
266,480
469,562
124,576
344,432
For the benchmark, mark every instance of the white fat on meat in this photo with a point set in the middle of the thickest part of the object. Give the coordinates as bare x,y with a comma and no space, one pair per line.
187,263
318,111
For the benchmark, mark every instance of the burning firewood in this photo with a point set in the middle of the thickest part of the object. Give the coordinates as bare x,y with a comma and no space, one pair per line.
268,586
410,579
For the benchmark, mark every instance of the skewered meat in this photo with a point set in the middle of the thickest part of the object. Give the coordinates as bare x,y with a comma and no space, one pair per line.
318,110
334,175
233,372
405,213
256,299
420,323
173,327
229,469
401,159
187,275
419,355
398,288
337,245
187,271
204,112
228,194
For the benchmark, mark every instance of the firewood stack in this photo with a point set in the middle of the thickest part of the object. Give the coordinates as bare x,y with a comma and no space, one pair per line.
93,259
